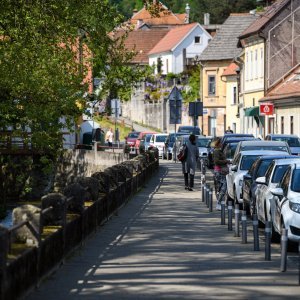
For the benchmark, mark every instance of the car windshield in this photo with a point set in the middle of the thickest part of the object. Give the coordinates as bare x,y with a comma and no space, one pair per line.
133,134
230,150
247,162
278,173
295,185
291,141
161,138
265,147
263,168
203,142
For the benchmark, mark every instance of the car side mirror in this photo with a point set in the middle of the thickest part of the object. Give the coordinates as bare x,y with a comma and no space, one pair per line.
277,192
247,176
234,168
261,180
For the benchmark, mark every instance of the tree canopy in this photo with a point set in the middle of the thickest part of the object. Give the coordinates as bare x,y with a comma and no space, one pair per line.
47,51
219,10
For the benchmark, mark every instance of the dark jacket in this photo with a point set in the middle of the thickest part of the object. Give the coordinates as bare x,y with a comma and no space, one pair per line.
219,157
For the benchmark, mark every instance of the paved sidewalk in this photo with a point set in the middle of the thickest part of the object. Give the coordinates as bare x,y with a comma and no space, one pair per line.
164,244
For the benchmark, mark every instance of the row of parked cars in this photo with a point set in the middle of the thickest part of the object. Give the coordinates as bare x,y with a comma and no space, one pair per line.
264,178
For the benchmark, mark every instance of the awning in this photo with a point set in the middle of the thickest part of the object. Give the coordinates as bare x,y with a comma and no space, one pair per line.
252,111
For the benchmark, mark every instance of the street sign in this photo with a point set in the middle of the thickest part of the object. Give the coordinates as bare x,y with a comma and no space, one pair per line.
266,109
195,109
175,102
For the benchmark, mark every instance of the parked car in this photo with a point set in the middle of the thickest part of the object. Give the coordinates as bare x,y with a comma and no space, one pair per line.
189,130
262,145
157,140
268,182
285,205
140,138
258,169
292,140
169,143
203,143
131,138
230,136
146,141
240,166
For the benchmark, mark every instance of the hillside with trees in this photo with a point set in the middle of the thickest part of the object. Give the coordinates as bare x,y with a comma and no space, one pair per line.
219,9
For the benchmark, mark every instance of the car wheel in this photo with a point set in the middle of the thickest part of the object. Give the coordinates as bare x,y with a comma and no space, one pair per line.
252,207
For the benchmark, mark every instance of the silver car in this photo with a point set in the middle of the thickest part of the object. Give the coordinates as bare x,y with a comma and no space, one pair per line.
292,140
270,181
262,145
285,205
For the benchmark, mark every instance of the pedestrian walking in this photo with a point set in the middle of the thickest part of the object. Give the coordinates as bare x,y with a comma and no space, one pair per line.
190,162
229,130
109,137
220,172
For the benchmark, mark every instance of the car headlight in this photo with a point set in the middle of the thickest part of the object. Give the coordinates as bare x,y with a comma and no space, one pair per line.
240,182
295,207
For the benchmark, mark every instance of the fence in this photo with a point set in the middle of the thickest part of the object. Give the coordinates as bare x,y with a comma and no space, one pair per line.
23,266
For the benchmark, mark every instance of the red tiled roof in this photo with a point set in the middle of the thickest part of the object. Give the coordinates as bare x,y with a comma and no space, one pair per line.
230,70
290,87
259,23
173,37
142,41
165,17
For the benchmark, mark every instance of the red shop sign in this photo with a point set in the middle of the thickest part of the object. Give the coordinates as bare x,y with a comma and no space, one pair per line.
266,109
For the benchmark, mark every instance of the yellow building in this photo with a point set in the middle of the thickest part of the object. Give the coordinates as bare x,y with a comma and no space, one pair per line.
219,54
252,85
231,75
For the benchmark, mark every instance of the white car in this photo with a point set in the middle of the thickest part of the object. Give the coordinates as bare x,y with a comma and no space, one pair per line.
270,181
157,140
285,205
240,166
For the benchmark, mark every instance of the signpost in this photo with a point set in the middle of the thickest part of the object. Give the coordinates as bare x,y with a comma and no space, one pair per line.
195,110
175,102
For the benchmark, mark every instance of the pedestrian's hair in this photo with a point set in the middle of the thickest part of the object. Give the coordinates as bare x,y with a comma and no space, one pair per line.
217,141
192,138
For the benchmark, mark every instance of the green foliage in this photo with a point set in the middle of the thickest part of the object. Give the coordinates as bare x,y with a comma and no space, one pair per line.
193,91
219,10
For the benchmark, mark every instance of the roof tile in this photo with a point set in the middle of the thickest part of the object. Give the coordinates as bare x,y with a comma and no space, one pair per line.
224,44
173,37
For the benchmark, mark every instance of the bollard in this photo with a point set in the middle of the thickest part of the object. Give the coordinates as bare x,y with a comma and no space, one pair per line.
210,202
237,220
244,227
207,195
223,212
299,262
255,232
229,208
284,243
203,192
268,240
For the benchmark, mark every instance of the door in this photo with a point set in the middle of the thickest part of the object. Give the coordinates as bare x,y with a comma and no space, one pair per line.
271,125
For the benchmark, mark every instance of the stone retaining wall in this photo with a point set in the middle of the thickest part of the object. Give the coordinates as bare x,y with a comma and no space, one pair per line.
116,185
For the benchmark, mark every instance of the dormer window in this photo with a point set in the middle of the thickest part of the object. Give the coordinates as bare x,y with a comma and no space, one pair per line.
197,40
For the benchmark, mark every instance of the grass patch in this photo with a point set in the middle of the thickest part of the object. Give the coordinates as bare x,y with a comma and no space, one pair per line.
106,123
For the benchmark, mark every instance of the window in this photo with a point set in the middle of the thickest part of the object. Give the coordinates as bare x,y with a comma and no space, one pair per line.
234,95
282,125
255,64
247,66
167,65
211,85
292,125
251,65
262,64
159,65
197,40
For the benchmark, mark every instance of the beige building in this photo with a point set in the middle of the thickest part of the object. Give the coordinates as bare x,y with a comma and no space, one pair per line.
230,75
219,54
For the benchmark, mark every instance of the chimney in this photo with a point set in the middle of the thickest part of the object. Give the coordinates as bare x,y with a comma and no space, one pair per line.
187,12
206,19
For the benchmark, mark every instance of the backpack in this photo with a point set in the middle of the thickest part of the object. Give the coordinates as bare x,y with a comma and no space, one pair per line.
182,155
